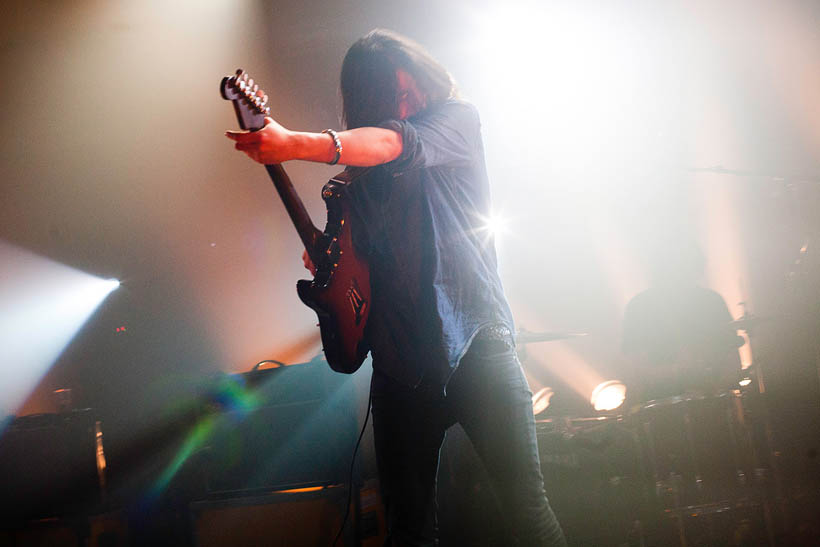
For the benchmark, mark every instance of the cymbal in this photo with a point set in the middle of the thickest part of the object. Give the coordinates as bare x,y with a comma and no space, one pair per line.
527,337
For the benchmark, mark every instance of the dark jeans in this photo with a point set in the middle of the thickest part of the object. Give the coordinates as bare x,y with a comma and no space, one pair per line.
489,396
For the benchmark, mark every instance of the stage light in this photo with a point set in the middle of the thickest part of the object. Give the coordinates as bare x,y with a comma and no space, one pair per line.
541,400
608,395
570,72
44,305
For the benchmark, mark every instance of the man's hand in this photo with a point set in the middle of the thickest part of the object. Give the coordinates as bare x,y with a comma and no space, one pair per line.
271,144
308,263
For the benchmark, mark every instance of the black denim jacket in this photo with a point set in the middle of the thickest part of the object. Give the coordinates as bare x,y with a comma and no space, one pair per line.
421,221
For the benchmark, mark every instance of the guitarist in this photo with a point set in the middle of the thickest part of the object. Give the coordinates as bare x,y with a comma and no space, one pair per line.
440,330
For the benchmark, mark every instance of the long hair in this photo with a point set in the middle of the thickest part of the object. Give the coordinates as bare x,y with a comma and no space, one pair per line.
368,79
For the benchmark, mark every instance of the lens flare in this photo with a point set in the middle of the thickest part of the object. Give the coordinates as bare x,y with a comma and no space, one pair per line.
496,225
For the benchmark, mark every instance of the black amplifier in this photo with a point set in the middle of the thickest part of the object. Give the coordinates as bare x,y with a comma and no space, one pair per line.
51,465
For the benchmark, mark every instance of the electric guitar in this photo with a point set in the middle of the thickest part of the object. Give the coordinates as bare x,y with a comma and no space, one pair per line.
340,290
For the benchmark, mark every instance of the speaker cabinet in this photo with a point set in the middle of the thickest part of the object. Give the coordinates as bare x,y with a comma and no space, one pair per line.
48,465
310,518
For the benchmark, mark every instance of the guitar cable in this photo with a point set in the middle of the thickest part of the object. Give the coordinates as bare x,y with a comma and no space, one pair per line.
352,467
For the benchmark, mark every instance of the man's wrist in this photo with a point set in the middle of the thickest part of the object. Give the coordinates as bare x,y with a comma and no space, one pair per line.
337,146
310,146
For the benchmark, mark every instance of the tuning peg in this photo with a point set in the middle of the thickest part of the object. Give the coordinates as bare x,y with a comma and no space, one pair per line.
265,99
245,76
239,72
255,88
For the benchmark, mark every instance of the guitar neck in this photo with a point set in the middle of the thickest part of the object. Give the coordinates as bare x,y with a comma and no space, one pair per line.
308,233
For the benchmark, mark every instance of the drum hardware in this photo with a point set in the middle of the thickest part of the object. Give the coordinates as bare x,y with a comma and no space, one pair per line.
569,425
685,502
696,448
747,323
594,478
741,522
709,487
763,453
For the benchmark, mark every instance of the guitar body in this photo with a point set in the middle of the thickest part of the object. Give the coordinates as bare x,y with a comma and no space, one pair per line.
340,291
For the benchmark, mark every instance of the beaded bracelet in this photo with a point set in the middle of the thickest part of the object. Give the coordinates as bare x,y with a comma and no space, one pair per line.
337,143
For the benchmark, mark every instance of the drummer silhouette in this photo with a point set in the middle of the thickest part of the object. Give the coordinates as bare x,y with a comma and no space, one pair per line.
683,362
677,334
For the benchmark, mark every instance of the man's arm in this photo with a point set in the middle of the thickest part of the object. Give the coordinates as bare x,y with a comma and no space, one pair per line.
361,147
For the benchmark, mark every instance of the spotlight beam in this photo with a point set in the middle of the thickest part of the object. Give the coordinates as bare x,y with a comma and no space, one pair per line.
44,306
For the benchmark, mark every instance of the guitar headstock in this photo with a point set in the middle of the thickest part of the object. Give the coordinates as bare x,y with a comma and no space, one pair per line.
249,101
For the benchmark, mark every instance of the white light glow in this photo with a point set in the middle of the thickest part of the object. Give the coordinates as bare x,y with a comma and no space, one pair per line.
568,71
496,225
44,305
608,395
